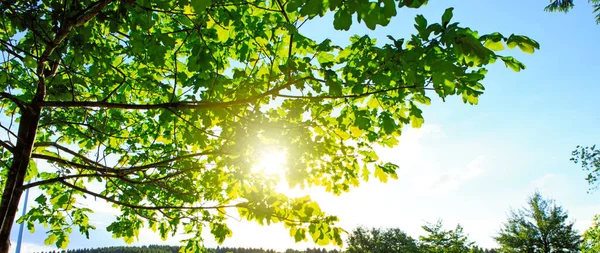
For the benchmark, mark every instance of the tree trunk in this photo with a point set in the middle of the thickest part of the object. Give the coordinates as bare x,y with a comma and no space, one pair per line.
16,173
30,118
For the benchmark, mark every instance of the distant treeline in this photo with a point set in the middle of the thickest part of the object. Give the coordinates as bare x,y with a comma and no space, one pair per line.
175,249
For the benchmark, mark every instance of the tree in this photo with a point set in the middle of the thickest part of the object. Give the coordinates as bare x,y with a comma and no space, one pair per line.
542,227
166,107
439,240
376,240
589,158
591,237
567,5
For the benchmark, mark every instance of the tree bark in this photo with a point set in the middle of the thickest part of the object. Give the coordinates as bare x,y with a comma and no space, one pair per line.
16,173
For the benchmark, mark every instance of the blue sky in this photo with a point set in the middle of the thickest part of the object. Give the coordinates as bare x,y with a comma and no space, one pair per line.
467,164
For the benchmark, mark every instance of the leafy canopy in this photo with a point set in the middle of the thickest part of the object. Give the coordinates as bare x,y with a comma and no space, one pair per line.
591,237
436,239
567,5
376,240
162,108
541,227
439,240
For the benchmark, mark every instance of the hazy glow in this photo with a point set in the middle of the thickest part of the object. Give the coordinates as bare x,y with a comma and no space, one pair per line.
272,162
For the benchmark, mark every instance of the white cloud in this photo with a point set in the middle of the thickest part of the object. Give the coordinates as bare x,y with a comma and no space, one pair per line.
545,181
553,186
453,178
30,247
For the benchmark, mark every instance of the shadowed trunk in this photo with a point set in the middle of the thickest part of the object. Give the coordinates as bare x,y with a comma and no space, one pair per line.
12,191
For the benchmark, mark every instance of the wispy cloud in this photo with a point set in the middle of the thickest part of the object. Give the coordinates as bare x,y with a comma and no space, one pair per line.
453,178
554,186
545,181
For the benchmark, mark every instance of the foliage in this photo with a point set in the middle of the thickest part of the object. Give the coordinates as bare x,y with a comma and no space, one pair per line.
175,249
589,158
567,5
480,250
541,227
162,108
591,237
376,240
439,240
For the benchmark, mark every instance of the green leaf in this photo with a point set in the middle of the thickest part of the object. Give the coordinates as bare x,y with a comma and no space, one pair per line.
422,99
30,62
421,22
325,58
416,117
494,45
447,17
300,235
201,5
380,174
293,5
334,4
414,3
335,88
388,124
526,44
389,8
312,8
363,123
416,122
32,171
62,242
342,20
51,239
512,63
371,15
356,132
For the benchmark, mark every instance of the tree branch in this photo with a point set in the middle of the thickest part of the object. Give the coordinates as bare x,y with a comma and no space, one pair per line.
114,201
69,151
120,172
120,177
58,179
22,105
118,86
59,160
354,95
178,158
7,146
10,51
9,132
173,105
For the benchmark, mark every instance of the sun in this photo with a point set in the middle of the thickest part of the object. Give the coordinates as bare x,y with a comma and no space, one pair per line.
271,162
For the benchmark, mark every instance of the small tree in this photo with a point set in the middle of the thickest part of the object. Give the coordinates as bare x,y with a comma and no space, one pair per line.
446,241
542,227
380,241
591,237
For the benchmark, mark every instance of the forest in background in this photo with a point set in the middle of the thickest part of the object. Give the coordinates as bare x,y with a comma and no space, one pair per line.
175,249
